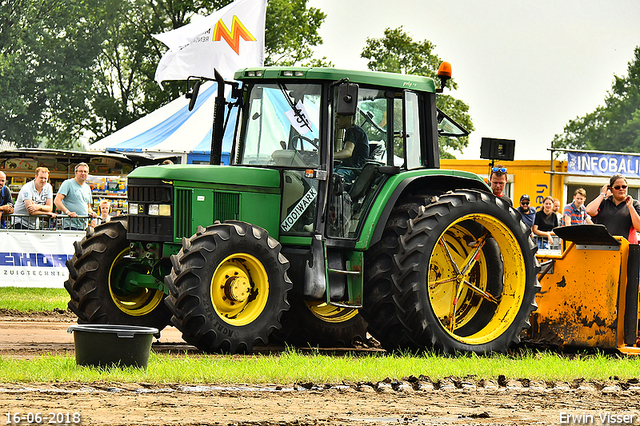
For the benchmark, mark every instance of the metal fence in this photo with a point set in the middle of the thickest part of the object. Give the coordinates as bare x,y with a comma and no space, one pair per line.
543,244
48,223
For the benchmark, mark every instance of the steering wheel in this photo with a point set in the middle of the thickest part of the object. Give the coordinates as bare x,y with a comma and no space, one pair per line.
298,138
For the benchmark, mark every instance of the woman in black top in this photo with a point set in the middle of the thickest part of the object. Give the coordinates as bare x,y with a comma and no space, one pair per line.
616,209
546,219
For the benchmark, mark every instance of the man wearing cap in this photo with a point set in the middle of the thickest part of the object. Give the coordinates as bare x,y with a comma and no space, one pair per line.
576,213
528,213
498,180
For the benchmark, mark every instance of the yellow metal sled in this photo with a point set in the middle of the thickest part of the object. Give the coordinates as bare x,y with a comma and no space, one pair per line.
589,294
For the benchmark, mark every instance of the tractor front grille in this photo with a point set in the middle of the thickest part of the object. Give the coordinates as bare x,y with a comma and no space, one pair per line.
143,226
226,206
183,212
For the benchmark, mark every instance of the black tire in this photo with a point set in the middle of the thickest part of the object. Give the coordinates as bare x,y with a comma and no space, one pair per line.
438,305
92,284
314,323
379,309
219,314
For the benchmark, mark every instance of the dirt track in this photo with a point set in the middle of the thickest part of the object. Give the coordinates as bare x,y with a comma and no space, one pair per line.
411,401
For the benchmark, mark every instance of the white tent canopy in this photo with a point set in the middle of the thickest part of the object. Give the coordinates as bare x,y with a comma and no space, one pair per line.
170,130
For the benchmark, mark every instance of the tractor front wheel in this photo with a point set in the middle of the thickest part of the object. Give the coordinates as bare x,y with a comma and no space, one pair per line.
228,287
96,273
316,323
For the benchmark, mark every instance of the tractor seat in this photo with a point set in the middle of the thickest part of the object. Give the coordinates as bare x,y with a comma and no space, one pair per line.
363,182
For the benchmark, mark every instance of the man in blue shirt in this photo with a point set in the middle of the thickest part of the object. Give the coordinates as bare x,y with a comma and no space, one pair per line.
74,198
528,213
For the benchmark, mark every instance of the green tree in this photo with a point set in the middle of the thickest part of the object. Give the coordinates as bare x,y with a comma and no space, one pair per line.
47,52
614,126
397,52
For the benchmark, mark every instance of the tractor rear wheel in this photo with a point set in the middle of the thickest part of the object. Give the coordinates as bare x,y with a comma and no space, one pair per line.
445,289
96,271
228,287
315,323
379,309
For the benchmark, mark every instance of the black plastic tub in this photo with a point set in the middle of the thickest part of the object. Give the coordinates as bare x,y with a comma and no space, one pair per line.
106,345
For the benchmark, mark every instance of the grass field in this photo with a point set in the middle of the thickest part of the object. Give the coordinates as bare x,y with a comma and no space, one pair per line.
293,366
33,299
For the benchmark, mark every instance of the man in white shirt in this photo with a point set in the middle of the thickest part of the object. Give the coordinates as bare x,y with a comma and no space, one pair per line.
34,199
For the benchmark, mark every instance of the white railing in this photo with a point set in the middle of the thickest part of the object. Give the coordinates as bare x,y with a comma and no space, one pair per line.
48,223
545,247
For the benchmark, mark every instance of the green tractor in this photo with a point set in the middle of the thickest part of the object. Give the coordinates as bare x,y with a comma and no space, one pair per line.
297,241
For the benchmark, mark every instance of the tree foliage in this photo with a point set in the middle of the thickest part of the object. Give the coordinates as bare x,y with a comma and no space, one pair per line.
47,52
84,69
614,126
397,52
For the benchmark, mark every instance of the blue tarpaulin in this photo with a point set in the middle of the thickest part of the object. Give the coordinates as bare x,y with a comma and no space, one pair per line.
172,130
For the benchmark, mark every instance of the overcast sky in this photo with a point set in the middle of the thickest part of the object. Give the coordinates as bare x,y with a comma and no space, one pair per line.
525,68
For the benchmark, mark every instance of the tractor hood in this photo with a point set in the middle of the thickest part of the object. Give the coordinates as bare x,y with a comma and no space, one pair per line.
205,174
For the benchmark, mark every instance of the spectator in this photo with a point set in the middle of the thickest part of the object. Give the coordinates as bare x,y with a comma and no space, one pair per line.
616,209
6,200
556,210
528,213
74,198
34,199
105,216
543,224
576,213
498,180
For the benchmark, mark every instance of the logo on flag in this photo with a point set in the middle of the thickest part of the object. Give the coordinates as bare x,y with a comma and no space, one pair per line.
197,48
232,37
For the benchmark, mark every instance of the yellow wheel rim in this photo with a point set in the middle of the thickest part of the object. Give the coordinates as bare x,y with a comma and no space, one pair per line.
458,279
239,289
329,313
139,303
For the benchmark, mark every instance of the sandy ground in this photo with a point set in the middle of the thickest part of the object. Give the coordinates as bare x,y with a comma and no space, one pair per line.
397,401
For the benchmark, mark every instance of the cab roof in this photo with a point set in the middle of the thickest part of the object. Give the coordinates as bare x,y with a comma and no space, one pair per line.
374,78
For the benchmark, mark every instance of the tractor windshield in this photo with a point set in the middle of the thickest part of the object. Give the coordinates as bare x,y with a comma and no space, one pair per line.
281,129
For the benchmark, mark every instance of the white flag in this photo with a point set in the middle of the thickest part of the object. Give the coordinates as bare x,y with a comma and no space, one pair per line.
227,40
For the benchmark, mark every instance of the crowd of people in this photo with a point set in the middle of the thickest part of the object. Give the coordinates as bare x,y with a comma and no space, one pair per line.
614,208
35,199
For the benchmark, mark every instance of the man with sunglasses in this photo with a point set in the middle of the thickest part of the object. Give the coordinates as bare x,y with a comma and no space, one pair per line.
528,213
498,180
616,209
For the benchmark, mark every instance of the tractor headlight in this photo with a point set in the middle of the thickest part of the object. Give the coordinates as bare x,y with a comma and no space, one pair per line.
133,208
160,209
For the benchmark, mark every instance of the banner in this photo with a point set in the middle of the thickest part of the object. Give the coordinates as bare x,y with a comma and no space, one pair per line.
227,40
36,258
598,164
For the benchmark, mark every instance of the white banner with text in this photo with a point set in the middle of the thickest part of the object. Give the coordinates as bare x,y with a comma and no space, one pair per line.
36,258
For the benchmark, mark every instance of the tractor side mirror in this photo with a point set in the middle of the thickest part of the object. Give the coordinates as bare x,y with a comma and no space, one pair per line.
347,102
193,96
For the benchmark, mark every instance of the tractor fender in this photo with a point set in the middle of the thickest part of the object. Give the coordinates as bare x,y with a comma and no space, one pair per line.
409,184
